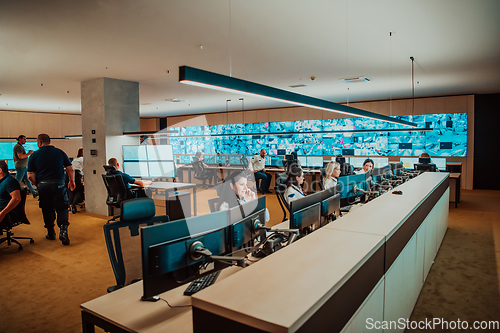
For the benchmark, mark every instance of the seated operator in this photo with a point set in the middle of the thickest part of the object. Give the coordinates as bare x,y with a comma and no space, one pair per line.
234,192
126,178
10,192
367,166
293,182
332,172
258,165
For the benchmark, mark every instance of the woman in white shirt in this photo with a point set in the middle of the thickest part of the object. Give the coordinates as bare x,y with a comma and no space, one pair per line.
331,174
294,181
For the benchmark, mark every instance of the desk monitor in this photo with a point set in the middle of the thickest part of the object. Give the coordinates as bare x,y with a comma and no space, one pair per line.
267,160
440,163
235,160
220,159
426,167
134,153
348,188
305,212
378,174
330,202
409,162
159,152
302,160
186,159
242,223
169,251
341,159
397,168
314,161
161,169
136,169
209,159
276,161
357,161
380,161
424,160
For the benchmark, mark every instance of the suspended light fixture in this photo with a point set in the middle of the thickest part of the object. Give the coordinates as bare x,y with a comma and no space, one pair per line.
201,78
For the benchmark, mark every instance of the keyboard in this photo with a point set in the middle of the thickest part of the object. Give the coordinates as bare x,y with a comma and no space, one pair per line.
201,283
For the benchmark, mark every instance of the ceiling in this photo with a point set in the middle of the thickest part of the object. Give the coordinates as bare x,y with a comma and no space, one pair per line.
48,47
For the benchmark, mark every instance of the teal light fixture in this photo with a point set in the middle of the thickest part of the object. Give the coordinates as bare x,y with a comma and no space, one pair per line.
201,78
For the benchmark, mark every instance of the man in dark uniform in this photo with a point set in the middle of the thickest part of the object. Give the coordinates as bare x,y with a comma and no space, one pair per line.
10,191
46,171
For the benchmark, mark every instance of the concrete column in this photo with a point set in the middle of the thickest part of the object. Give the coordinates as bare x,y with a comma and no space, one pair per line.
109,108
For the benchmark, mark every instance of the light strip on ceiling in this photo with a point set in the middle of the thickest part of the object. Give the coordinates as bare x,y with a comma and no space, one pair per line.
201,78
151,133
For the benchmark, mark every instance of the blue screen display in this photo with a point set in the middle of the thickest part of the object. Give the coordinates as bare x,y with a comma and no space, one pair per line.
447,136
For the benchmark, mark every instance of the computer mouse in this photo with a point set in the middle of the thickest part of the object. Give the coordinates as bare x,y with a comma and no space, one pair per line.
397,192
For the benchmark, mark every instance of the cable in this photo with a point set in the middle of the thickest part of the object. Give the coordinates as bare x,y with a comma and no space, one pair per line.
177,306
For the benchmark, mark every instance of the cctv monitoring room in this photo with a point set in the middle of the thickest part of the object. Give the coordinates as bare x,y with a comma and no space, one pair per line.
251,166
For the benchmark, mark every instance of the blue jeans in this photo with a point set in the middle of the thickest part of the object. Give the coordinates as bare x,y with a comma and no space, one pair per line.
23,173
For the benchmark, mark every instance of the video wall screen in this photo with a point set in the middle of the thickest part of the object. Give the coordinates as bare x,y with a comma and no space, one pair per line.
436,134
148,160
7,151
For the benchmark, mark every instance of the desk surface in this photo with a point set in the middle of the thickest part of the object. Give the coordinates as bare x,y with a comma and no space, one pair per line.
170,185
124,309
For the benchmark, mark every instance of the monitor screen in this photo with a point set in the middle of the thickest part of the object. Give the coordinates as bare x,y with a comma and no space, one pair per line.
380,161
357,162
136,169
221,159
440,163
186,159
314,161
134,153
209,159
330,202
345,159
30,146
159,152
302,161
267,160
276,161
161,169
235,160
409,162
6,150
10,164
348,184
305,212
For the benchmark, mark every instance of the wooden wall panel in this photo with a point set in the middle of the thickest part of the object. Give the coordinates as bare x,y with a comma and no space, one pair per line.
149,124
435,105
458,104
235,117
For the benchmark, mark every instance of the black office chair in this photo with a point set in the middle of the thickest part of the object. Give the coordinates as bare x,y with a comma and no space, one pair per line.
200,173
280,189
108,169
13,218
117,192
77,196
124,247
213,204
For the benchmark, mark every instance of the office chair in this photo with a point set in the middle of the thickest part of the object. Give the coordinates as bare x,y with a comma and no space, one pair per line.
108,169
200,173
280,189
77,196
117,192
14,218
123,243
213,204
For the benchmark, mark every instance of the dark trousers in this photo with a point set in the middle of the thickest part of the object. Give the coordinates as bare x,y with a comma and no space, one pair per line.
265,180
53,200
77,195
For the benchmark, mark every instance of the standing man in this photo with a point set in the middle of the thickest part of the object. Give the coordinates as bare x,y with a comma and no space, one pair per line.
258,166
21,163
46,171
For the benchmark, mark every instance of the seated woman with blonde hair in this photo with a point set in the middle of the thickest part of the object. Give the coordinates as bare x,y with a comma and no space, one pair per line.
331,174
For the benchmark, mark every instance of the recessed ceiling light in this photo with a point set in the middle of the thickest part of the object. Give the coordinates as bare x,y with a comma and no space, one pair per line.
174,100
356,79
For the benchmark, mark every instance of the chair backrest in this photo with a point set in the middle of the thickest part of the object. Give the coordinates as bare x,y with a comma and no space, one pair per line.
108,168
122,241
198,168
280,189
214,204
117,192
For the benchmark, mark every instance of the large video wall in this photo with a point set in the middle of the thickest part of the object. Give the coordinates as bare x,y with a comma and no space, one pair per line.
436,134
7,151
